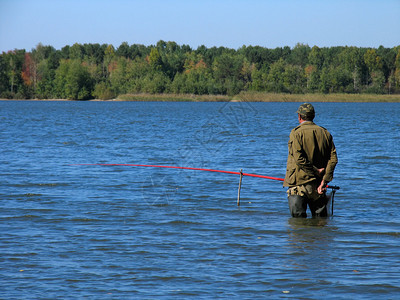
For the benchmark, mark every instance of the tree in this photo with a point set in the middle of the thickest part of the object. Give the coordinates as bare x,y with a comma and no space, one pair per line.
294,79
65,52
397,70
312,78
118,78
136,70
388,57
29,71
155,83
227,70
378,83
227,66
326,80
4,78
247,72
123,50
299,55
138,51
76,51
73,80
109,54
276,78
94,53
103,91
372,60
155,60
316,58
14,61
196,78
351,60
259,80
45,85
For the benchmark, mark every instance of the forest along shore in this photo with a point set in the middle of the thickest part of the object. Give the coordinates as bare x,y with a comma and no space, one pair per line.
94,71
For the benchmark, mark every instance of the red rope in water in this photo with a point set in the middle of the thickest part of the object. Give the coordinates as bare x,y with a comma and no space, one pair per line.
186,168
196,169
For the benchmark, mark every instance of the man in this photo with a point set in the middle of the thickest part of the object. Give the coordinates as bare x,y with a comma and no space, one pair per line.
310,165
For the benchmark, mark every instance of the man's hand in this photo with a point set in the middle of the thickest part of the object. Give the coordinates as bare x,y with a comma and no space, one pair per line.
322,187
321,172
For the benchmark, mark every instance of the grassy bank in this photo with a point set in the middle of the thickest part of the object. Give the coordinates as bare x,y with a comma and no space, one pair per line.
262,97
174,97
270,97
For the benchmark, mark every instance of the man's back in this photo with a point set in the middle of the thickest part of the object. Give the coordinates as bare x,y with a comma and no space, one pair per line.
311,147
316,142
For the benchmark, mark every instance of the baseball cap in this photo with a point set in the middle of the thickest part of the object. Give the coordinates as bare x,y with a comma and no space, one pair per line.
306,109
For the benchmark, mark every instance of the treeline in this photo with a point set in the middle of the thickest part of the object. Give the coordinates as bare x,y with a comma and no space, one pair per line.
101,71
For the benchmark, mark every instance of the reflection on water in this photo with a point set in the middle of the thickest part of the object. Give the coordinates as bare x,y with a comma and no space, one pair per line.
298,223
308,242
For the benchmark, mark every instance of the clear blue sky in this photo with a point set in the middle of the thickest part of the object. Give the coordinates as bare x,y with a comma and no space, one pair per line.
233,23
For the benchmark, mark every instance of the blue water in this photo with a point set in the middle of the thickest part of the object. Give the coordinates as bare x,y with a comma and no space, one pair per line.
119,232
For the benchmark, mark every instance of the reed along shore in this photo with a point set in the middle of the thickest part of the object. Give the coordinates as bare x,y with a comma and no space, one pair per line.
261,97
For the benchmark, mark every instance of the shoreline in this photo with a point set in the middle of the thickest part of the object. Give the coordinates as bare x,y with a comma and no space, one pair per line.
242,97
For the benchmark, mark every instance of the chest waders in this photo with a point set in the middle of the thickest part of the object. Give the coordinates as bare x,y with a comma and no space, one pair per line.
318,207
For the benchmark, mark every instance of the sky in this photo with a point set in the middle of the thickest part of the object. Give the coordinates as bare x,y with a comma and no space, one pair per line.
234,23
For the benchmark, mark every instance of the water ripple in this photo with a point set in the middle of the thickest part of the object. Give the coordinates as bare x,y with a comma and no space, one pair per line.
97,232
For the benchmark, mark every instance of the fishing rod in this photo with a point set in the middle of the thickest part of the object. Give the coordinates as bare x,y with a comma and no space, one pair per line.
186,168
333,187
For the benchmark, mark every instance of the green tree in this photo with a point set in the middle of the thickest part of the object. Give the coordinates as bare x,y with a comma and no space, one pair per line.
276,77
103,91
316,58
118,78
138,51
123,50
155,60
108,62
227,70
196,77
299,55
396,74
76,51
227,66
388,58
377,83
60,79
351,60
259,80
155,83
14,61
173,59
73,80
136,71
372,60
294,79
65,52
312,75
45,86
247,72
94,53
325,80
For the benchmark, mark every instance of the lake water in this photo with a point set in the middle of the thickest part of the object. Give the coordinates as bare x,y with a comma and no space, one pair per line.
122,232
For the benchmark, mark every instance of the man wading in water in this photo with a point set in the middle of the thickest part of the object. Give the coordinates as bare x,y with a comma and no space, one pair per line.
310,165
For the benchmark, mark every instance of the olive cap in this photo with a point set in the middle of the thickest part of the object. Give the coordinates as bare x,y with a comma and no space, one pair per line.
306,109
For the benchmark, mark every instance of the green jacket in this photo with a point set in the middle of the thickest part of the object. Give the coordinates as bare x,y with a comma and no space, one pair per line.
310,148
